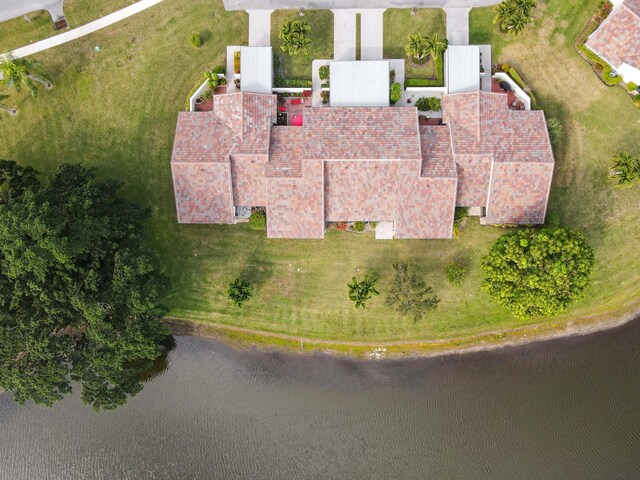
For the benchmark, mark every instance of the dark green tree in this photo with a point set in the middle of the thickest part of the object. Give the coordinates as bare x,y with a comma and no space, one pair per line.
537,272
361,292
79,296
238,291
295,37
409,294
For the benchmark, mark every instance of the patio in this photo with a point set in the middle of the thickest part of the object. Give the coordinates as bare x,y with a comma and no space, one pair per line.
294,108
514,102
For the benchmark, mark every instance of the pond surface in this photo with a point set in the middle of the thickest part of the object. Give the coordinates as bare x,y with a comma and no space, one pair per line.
565,409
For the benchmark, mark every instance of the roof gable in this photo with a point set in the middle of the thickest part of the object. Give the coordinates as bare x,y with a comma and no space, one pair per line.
618,37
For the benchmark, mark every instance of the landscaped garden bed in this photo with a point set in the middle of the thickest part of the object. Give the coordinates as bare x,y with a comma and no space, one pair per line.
398,25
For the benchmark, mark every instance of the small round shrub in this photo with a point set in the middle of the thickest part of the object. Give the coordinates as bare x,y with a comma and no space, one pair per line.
258,220
358,226
505,67
323,72
196,40
631,86
456,273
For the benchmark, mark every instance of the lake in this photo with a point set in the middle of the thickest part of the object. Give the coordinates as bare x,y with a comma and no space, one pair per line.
566,409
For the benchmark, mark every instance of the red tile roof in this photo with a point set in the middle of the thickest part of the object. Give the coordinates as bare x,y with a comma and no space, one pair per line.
617,40
437,157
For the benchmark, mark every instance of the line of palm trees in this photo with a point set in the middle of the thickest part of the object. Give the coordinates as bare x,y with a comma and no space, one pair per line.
625,168
514,15
19,73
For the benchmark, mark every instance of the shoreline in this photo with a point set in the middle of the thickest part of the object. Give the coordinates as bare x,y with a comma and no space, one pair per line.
242,338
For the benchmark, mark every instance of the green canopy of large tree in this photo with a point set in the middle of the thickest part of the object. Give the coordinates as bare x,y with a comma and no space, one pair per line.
79,296
537,272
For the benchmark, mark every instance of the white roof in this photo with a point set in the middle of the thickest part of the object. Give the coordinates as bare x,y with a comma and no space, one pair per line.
359,84
256,69
463,68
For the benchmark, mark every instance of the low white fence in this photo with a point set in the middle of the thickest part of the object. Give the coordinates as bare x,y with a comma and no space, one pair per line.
518,92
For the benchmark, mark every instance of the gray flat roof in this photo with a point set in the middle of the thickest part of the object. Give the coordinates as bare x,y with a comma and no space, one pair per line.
359,84
463,68
256,69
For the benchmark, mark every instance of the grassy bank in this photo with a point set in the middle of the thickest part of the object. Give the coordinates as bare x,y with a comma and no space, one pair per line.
116,109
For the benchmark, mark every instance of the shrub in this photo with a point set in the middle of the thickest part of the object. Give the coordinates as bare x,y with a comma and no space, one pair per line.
325,97
220,70
358,226
395,92
631,86
636,101
537,272
409,294
505,67
456,272
373,225
236,62
431,104
323,72
238,291
341,226
555,130
196,40
280,82
258,220
459,216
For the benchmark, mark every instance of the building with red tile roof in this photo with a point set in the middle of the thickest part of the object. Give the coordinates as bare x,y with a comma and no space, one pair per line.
362,164
617,39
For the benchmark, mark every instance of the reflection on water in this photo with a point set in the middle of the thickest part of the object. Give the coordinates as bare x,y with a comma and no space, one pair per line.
561,409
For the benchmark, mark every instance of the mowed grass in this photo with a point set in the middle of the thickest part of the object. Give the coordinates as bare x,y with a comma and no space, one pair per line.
116,110
398,24
18,32
321,47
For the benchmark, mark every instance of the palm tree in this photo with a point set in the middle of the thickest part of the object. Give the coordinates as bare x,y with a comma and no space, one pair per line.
435,46
238,291
514,15
19,72
416,46
625,168
9,110
555,130
360,292
294,37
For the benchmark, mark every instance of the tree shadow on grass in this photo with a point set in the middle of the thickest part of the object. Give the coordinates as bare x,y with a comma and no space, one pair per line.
256,271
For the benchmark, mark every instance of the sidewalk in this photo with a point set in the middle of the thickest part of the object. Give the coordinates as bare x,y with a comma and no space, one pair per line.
457,25
84,29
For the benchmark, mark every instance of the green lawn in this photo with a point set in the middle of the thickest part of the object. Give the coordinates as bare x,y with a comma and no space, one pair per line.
116,110
321,47
18,32
399,23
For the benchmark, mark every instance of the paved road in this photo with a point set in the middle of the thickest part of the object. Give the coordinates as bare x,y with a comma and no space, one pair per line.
354,4
16,8
457,25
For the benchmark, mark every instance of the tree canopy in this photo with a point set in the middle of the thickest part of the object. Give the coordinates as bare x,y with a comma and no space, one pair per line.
79,295
514,15
361,291
295,37
537,272
409,294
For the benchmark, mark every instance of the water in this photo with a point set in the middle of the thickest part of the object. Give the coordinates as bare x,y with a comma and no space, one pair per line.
556,410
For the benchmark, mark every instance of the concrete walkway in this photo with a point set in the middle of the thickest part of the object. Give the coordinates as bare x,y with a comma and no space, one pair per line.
84,29
371,34
457,25
259,28
16,8
344,35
